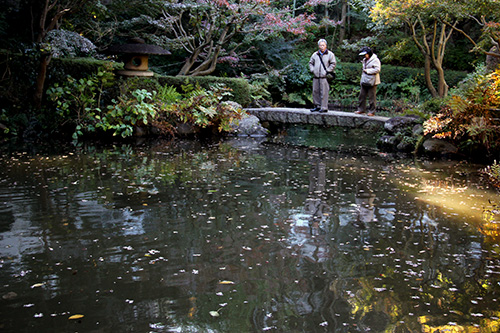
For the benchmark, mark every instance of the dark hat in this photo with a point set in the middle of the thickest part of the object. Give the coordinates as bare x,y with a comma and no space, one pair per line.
365,50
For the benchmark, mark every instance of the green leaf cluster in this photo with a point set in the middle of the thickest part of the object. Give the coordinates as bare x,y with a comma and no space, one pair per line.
126,112
199,106
86,104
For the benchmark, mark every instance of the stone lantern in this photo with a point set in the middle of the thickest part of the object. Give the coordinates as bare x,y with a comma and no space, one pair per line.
135,56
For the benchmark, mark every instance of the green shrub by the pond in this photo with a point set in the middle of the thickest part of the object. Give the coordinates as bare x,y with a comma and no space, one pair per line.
101,102
75,92
240,88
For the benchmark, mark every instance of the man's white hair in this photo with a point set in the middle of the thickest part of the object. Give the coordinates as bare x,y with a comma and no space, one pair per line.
322,41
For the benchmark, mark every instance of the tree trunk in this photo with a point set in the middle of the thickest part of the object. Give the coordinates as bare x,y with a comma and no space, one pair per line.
189,62
438,58
343,19
40,80
326,17
209,64
433,53
427,75
442,85
208,67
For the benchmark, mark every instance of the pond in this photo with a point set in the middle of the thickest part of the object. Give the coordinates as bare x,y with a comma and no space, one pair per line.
246,235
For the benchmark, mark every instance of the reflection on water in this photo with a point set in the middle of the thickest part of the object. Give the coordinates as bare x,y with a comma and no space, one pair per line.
243,236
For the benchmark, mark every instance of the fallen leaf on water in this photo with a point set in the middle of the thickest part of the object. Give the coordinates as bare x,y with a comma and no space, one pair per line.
76,316
226,282
37,285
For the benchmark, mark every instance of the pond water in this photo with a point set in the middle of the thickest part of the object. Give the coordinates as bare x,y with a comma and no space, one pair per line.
242,235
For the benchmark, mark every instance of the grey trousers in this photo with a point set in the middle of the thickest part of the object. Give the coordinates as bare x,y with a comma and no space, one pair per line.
321,89
371,93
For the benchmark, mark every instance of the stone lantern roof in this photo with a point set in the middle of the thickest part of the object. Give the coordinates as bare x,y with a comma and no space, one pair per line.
135,55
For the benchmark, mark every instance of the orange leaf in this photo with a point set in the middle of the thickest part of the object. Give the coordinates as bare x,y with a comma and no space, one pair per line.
76,316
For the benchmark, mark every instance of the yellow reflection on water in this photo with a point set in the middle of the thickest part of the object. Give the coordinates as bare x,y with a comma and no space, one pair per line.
458,197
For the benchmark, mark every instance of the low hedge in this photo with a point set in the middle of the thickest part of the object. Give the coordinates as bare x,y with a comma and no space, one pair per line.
16,87
78,68
60,68
351,73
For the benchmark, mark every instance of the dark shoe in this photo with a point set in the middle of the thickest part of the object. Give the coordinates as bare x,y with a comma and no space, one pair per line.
359,112
316,109
323,111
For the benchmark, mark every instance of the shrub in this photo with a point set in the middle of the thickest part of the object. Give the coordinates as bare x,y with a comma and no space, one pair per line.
493,173
297,74
61,68
63,43
198,106
240,89
470,118
397,74
398,83
434,105
136,102
78,101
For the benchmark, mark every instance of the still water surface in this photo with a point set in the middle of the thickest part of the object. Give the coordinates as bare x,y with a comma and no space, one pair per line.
245,236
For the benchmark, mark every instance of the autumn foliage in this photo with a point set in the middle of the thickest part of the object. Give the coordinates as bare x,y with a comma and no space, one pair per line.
473,117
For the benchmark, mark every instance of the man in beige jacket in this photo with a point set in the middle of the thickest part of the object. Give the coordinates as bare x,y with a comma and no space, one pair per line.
321,63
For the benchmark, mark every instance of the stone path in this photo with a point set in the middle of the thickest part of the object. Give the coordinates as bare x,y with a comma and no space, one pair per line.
330,118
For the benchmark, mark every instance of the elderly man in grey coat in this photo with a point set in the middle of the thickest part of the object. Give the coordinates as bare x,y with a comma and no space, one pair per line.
321,63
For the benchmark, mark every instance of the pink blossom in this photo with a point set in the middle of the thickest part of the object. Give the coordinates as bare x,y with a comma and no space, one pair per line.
318,2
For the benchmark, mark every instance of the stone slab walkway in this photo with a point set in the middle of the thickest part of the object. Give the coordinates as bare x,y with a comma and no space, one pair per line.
330,118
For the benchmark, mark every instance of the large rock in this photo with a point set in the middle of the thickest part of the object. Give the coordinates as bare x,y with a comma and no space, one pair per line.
418,130
249,126
400,124
439,147
405,147
492,62
186,129
387,142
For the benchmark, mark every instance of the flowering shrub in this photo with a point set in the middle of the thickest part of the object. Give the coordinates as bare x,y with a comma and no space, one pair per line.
63,43
230,59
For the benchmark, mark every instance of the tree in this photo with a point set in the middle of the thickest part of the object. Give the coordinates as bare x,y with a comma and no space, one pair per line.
431,25
341,6
486,13
208,29
50,15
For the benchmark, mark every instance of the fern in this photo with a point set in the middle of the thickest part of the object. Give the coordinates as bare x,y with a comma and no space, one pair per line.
469,116
168,95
